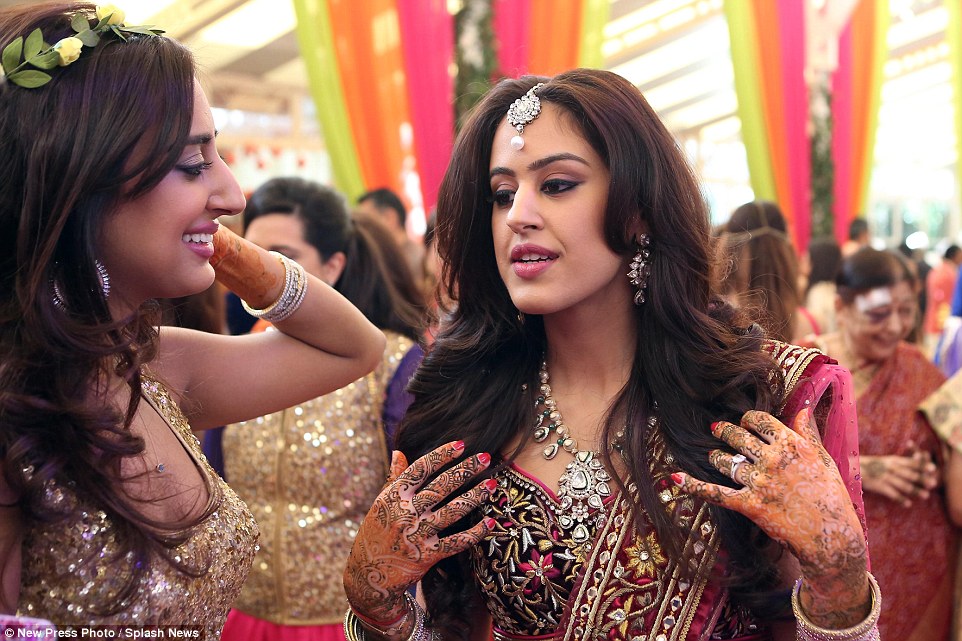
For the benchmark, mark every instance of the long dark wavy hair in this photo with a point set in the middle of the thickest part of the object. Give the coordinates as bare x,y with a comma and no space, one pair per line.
376,278
105,129
762,266
694,357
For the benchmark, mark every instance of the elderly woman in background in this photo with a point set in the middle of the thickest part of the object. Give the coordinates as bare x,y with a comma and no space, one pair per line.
911,536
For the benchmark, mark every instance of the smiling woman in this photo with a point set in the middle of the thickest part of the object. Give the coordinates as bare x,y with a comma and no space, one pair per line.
902,459
111,191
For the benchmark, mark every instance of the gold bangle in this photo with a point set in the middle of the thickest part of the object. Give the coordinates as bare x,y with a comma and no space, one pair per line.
864,631
354,626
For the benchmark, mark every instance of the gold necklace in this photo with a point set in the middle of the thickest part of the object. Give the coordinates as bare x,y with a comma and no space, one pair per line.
584,483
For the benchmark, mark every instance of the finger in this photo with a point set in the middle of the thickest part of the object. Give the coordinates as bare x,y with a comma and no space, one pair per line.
738,437
738,468
399,463
806,426
451,480
426,466
717,494
768,428
463,505
461,541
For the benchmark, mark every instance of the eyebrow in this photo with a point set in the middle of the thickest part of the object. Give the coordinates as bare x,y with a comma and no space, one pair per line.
541,163
202,139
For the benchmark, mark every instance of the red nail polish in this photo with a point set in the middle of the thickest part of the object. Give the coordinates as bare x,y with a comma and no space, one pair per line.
484,458
490,485
714,426
678,479
459,446
490,523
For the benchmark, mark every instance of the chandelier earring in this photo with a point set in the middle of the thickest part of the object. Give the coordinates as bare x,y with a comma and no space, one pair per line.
640,268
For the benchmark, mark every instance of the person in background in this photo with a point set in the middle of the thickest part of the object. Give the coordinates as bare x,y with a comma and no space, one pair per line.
385,205
912,536
858,237
762,270
592,372
310,472
939,288
822,260
111,191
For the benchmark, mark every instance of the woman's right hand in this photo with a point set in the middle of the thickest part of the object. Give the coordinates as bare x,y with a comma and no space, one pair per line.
398,540
900,478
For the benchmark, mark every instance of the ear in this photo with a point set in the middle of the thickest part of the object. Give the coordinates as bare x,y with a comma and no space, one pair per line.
333,267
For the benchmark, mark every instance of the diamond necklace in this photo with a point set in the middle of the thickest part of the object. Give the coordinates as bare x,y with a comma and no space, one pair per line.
584,483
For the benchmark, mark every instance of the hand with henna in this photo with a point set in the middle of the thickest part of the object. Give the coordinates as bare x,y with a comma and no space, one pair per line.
398,541
900,478
792,490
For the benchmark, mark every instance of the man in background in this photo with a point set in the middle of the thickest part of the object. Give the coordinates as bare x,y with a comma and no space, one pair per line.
387,206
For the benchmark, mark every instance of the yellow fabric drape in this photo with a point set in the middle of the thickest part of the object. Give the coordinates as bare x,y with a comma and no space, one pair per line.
316,40
744,51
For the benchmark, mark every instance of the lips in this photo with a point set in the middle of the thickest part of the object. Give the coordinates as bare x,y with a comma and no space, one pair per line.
528,253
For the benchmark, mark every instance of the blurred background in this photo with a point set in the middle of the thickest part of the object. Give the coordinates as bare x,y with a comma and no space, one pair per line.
832,108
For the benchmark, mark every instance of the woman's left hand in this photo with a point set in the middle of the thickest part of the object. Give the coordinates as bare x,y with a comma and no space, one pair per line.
792,490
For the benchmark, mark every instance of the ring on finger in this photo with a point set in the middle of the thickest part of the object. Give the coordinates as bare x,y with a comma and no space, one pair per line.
737,461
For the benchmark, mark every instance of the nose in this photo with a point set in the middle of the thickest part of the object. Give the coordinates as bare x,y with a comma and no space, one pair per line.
227,197
524,214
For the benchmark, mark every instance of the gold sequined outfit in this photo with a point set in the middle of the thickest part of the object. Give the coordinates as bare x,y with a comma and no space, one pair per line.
309,475
67,575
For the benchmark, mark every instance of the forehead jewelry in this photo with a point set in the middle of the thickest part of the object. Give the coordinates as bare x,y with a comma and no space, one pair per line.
522,111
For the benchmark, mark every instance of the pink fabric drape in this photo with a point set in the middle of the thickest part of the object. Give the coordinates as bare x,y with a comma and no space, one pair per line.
427,40
512,28
841,133
791,19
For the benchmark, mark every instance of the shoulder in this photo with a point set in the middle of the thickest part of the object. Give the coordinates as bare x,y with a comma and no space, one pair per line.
912,359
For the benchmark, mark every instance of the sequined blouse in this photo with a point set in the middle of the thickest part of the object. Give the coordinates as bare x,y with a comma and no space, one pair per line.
310,474
67,576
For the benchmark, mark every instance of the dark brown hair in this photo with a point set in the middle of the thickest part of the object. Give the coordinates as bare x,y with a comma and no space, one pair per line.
376,278
692,359
762,266
106,128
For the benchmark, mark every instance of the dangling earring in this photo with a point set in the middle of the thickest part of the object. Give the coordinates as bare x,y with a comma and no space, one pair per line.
102,275
104,278
640,268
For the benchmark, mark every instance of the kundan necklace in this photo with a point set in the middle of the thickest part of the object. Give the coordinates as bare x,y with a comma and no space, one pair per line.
584,484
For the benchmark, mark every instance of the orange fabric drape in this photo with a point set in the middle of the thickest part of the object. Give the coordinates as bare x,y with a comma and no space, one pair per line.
556,35
370,59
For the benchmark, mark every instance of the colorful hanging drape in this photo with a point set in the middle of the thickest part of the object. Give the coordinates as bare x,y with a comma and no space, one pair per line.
768,56
316,41
536,36
953,35
856,95
427,39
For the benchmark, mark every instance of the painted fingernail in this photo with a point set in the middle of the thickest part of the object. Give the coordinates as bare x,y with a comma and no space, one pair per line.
484,458
490,485
678,478
459,446
490,523
715,427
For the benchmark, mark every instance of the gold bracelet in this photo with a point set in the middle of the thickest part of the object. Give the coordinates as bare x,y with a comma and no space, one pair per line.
867,630
354,627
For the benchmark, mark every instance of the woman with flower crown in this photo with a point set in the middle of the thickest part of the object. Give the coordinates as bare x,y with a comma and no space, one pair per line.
653,466
111,190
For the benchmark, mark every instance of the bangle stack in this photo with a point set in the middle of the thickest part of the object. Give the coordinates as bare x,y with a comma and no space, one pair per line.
354,624
295,289
867,630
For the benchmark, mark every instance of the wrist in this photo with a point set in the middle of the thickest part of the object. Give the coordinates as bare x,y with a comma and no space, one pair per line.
838,625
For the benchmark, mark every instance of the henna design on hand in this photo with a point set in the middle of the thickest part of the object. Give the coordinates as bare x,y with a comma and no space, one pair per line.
398,541
793,491
245,270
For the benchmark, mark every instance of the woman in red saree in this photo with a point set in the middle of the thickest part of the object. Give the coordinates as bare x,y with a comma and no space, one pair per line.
638,483
912,539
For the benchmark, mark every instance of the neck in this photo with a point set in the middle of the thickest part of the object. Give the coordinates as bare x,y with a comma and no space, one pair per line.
593,351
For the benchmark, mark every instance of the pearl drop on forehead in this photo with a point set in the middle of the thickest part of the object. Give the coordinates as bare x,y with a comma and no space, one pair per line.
517,142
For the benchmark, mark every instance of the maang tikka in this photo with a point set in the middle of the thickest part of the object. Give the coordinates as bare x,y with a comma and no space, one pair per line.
640,268
522,111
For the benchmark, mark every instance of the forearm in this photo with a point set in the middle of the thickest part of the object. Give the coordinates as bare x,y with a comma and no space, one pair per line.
323,318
